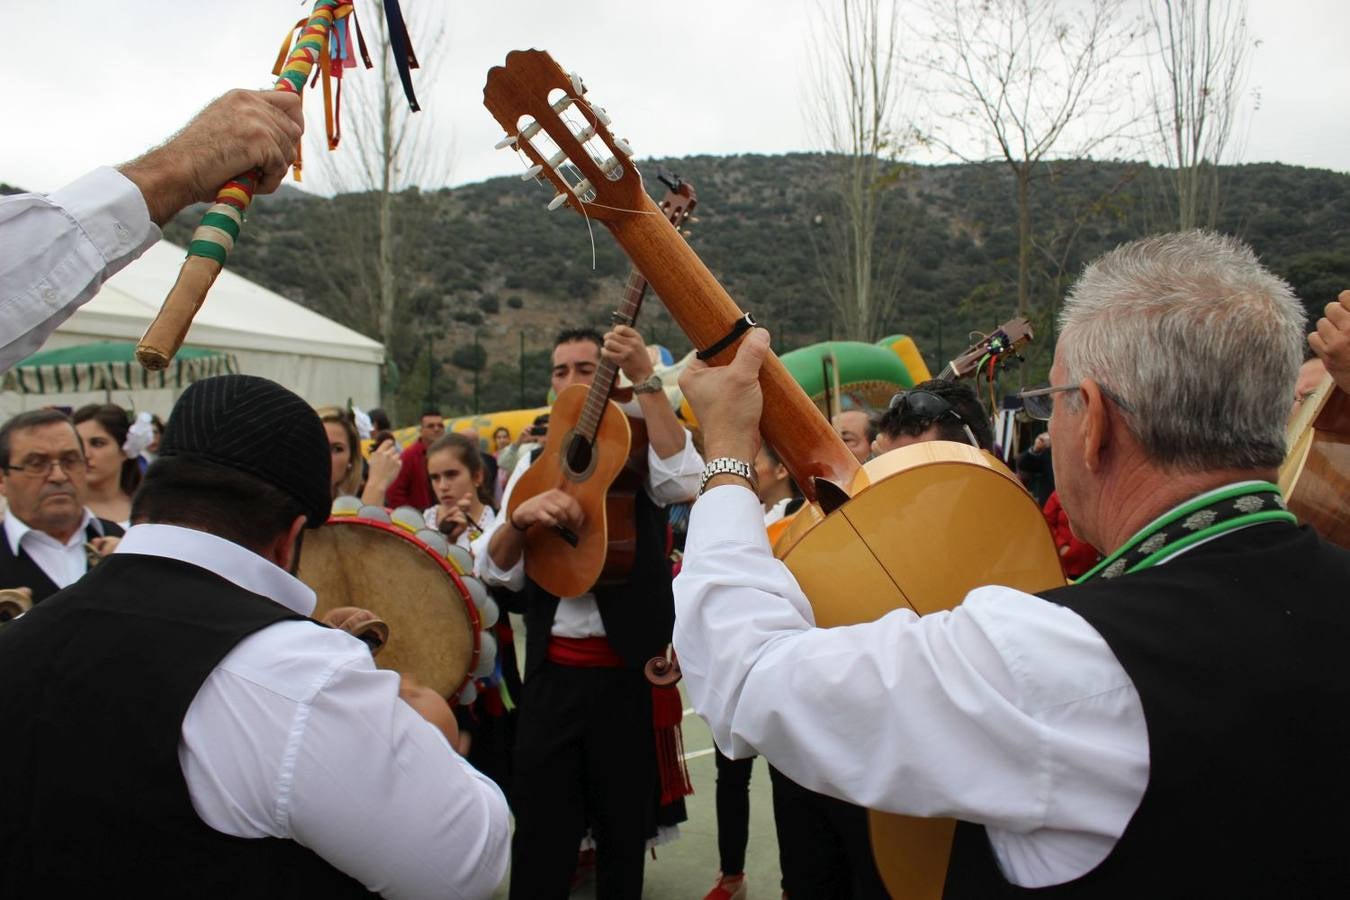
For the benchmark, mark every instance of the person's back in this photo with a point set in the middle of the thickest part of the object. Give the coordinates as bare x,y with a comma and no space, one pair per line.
1260,666
244,749
120,659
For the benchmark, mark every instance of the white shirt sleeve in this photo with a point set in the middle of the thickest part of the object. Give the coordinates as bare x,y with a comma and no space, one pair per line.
1008,711
296,735
513,579
58,251
676,479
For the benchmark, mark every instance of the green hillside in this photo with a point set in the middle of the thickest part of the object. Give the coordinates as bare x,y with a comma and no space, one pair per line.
488,260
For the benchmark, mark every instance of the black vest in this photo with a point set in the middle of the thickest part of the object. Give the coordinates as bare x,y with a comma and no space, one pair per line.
96,682
639,615
21,571
1240,652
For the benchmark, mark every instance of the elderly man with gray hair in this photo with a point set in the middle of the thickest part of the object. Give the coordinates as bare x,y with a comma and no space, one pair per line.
1171,725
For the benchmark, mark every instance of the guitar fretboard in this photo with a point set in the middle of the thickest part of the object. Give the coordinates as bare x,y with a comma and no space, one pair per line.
588,423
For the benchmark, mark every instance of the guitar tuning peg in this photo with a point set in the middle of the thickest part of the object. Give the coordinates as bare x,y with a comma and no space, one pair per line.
692,219
508,141
531,172
624,147
557,202
578,87
601,115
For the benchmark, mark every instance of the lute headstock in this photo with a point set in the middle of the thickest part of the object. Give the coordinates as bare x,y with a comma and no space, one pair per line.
545,115
995,347
680,199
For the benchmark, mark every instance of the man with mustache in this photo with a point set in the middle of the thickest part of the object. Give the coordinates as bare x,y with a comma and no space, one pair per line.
47,528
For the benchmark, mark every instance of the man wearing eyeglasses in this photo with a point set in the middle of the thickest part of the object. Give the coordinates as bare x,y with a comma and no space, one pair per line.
1171,725
49,535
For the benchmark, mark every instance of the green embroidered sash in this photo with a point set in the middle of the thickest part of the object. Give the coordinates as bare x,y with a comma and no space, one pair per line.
1193,522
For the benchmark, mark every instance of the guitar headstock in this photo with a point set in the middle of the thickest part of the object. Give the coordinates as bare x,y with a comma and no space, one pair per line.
996,347
545,115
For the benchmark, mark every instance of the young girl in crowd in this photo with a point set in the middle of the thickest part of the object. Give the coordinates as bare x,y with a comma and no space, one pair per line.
114,473
456,471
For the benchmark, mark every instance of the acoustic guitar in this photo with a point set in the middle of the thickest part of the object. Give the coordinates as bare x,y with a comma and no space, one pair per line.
1315,476
591,454
920,526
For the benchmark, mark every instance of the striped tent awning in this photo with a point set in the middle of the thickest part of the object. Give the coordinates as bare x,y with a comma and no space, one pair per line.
110,366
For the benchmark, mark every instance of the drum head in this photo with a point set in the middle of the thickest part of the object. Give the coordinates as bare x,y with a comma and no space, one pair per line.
433,628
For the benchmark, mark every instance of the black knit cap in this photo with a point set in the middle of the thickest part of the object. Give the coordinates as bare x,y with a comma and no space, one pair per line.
255,426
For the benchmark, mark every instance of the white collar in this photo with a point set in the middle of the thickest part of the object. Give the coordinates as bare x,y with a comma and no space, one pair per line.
233,562
16,528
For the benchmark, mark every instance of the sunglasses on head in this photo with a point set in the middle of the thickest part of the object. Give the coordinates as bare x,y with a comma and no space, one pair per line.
929,407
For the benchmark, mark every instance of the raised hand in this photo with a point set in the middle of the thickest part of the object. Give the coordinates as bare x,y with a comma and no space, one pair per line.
236,133
1331,340
727,399
625,348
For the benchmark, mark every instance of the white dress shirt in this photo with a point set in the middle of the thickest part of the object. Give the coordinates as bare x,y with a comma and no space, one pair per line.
1009,710
59,249
63,562
672,480
297,735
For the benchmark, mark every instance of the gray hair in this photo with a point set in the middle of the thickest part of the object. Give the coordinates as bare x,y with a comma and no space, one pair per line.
1199,343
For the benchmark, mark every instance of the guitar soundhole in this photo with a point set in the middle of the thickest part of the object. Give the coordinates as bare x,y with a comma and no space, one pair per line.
579,453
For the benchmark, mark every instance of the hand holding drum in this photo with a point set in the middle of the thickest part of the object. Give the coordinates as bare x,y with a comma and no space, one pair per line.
371,630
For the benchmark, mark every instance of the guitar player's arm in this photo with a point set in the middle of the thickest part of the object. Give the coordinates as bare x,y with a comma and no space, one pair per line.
498,551
673,465
939,716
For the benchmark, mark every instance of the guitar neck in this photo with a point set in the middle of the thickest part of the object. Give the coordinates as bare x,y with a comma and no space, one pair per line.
791,422
588,423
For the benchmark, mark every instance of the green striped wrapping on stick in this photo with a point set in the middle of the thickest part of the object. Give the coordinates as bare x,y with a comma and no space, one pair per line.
219,228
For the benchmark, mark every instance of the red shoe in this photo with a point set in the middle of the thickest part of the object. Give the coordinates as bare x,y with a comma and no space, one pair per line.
728,887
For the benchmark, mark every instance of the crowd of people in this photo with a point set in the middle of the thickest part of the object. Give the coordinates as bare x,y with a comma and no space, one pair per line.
1131,734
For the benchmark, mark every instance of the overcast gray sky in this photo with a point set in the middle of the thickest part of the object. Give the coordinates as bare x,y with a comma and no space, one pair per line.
84,83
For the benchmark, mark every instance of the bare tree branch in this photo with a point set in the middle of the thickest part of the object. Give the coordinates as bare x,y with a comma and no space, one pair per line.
386,149
1201,54
856,86
1029,80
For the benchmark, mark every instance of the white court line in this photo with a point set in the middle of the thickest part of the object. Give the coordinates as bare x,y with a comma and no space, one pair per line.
697,753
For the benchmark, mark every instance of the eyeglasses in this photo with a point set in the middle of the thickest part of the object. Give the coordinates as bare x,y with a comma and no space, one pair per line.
930,407
41,466
1039,402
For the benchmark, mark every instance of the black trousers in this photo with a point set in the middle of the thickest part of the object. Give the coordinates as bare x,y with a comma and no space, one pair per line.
823,848
585,755
733,811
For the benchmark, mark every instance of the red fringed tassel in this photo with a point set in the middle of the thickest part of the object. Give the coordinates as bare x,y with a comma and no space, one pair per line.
667,714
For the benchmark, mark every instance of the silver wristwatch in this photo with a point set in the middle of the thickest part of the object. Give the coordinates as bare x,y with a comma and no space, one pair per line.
726,465
649,385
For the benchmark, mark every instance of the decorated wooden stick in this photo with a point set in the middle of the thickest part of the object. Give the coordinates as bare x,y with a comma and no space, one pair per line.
215,236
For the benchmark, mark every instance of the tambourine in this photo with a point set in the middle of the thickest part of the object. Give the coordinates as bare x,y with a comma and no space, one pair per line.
416,582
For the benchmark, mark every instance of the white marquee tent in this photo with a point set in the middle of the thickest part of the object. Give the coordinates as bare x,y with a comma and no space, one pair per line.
322,361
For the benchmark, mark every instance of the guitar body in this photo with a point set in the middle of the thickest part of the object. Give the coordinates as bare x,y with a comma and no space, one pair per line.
925,525
1315,476
551,560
